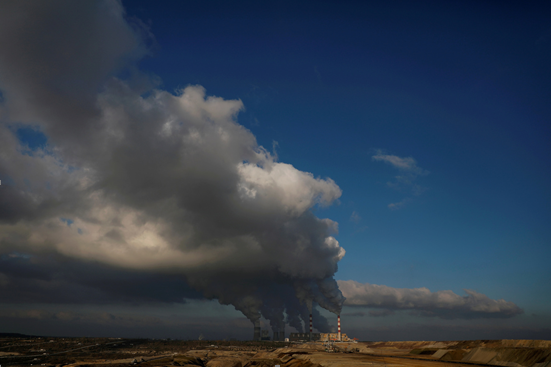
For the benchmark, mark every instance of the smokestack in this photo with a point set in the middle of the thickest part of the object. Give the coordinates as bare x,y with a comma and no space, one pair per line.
310,327
339,327
282,333
256,336
276,336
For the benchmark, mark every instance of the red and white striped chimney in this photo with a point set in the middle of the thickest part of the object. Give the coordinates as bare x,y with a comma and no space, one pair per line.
311,327
339,327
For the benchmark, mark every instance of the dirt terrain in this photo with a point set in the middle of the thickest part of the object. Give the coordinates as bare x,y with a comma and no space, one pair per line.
114,352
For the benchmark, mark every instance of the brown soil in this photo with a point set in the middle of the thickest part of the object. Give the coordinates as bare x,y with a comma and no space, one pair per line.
83,352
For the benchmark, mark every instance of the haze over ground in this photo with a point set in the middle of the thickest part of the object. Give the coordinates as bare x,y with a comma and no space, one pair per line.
154,156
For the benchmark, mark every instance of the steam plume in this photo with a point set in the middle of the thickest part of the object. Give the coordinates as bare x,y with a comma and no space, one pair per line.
148,180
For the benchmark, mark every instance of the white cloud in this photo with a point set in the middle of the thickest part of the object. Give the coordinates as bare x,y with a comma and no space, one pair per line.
398,205
423,302
355,217
407,164
409,172
281,184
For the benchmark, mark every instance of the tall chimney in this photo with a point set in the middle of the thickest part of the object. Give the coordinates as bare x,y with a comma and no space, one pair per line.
282,333
339,327
310,327
256,336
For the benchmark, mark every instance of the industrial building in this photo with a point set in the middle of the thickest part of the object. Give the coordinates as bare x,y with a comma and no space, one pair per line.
318,337
301,337
260,335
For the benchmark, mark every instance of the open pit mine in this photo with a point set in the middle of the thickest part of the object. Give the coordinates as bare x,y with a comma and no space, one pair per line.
19,350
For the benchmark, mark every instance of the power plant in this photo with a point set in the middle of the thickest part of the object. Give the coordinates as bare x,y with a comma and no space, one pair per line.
279,335
319,337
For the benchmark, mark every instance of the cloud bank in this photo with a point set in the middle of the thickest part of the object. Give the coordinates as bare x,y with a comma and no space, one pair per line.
423,302
138,180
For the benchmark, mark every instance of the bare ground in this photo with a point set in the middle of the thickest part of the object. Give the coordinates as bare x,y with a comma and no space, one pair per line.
110,352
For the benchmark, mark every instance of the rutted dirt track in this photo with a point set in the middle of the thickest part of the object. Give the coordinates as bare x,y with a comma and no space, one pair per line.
83,352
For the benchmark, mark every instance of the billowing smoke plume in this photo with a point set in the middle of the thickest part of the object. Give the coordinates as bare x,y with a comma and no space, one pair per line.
143,179
320,322
325,292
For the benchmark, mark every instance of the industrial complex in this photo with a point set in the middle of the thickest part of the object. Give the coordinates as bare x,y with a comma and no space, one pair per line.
318,337
279,335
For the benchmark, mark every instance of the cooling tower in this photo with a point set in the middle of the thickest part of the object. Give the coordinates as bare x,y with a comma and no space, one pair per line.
310,327
256,336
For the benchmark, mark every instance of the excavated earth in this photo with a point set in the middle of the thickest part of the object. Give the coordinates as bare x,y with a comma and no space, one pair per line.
111,352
